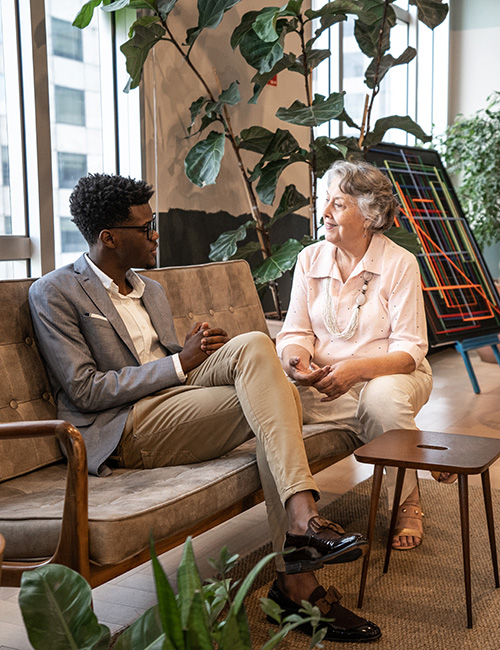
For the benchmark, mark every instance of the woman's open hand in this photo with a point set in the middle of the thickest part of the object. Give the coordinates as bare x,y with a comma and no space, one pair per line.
305,375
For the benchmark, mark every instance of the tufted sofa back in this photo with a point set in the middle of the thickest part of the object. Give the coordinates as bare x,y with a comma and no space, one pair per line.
222,294
25,392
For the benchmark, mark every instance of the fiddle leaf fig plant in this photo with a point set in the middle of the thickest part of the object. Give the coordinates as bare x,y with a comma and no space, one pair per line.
470,149
273,41
55,602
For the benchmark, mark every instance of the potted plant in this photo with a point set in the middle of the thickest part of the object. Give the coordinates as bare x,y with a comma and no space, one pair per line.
55,603
261,38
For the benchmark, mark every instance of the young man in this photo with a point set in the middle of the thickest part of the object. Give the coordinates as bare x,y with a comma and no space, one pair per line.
141,399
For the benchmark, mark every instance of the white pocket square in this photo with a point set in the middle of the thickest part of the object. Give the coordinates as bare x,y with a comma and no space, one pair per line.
98,316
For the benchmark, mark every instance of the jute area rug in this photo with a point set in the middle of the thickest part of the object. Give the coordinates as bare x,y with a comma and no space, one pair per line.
420,602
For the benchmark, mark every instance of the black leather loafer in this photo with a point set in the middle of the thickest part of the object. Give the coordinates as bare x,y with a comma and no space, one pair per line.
323,543
346,626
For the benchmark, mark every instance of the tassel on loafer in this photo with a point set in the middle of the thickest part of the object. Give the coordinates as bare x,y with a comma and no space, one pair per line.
323,543
346,626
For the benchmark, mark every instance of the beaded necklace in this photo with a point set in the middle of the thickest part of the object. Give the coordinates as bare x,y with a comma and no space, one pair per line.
329,315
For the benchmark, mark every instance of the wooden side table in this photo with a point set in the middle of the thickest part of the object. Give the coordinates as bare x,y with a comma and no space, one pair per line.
442,452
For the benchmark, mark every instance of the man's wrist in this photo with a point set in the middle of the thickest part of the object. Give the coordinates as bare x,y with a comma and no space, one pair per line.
181,375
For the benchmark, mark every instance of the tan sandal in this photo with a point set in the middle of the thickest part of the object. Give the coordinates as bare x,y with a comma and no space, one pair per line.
409,524
448,478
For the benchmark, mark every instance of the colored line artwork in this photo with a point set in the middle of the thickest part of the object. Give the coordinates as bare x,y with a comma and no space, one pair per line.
460,297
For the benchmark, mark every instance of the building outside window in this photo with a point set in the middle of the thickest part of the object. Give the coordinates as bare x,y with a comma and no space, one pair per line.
66,40
52,133
69,105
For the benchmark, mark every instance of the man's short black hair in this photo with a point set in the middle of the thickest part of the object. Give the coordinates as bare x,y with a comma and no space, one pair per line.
101,201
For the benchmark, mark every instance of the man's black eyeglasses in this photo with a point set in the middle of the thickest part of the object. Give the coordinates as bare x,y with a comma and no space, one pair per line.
148,228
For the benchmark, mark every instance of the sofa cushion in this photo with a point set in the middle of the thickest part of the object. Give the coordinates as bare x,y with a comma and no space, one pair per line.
130,504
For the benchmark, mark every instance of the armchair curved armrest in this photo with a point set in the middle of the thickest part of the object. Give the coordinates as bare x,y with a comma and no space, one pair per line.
73,546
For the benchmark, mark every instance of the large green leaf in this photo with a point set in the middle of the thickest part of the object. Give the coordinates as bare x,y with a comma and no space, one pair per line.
431,12
210,14
322,110
168,611
335,8
314,58
144,21
368,35
136,50
387,61
236,632
256,138
246,251
291,201
165,7
198,632
245,26
188,581
55,604
405,239
116,5
195,110
259,54
230,96
325,152
145,633
227,243
84,16
260,80
405,123
283,259
283,144
269,176
265,24
202,164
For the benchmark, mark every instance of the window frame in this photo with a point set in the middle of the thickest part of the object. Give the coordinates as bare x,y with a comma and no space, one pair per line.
28,114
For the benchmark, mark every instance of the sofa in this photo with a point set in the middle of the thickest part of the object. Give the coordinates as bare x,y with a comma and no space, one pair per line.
51,510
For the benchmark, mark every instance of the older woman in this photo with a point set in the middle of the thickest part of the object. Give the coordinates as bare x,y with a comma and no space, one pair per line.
355,337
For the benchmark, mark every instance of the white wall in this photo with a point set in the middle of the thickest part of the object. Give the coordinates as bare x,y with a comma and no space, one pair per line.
176,87
474,54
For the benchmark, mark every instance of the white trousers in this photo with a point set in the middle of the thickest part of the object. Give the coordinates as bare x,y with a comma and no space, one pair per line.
373,407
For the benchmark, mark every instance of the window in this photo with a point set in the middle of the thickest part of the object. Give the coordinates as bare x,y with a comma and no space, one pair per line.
5,166
67,41
69,105
71,167
71,238
418,90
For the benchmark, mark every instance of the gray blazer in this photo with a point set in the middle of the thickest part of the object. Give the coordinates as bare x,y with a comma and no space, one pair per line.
93,367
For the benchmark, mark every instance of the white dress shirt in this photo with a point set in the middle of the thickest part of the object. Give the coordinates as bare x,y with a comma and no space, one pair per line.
136,319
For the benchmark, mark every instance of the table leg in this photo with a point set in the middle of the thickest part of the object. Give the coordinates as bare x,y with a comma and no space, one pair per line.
485,479
463,490
395,507
378,472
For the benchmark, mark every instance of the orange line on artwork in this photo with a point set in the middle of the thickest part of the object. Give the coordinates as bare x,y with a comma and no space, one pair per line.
424,236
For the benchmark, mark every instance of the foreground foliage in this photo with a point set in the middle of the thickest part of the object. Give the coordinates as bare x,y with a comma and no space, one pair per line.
56,606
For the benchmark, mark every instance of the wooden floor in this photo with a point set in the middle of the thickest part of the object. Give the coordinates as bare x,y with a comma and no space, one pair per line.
453,407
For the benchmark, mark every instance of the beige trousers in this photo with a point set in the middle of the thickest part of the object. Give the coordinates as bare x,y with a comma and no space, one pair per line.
370,408
237,392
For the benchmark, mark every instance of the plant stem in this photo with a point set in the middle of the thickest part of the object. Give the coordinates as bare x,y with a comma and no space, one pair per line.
313,179
376,86
262,233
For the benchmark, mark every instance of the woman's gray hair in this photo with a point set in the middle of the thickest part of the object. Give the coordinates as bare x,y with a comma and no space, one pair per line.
371,188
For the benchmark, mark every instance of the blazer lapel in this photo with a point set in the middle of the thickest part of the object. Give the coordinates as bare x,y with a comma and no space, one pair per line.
95,290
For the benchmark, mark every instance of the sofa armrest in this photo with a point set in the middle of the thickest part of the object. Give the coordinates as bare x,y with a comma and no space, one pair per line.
73,546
